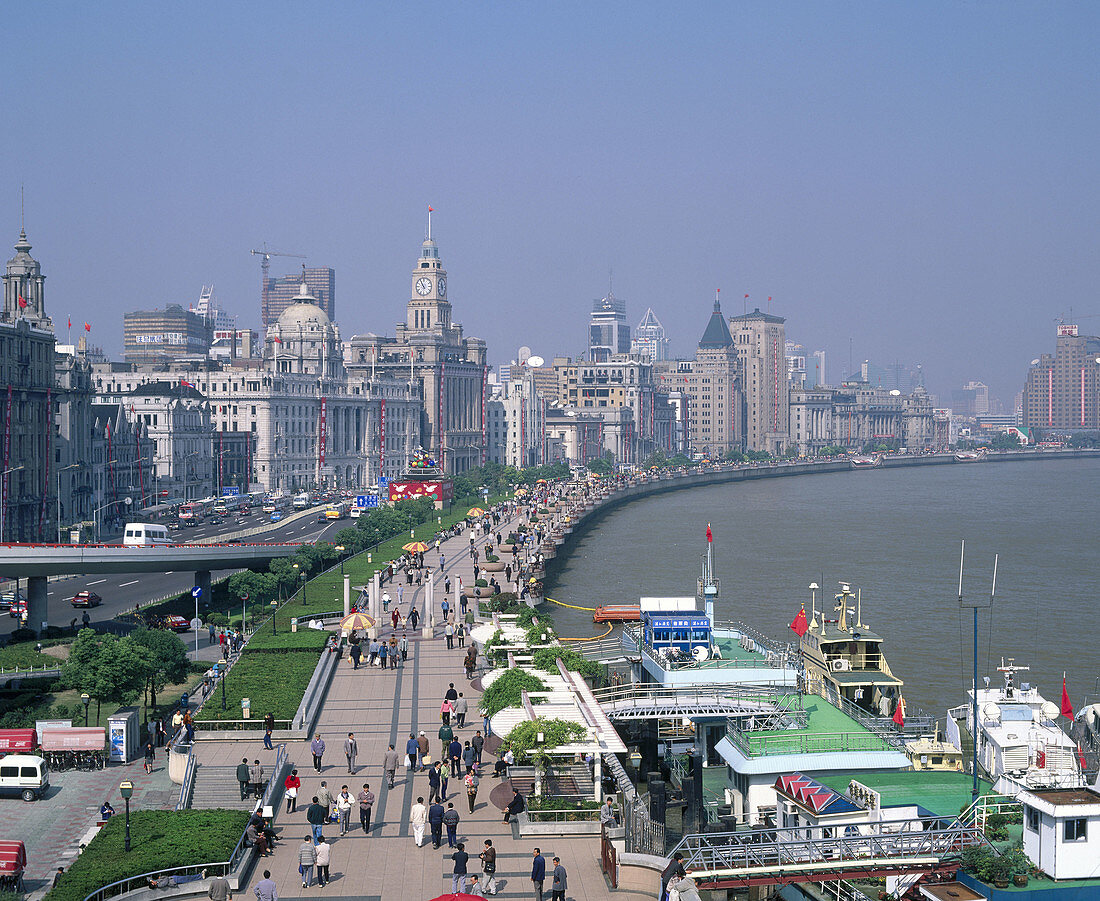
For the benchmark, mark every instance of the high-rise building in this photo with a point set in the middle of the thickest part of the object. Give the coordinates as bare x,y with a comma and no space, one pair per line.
970,400
429,349
760,339
160,336
649,340
1063,390
608,333
815,374
276,294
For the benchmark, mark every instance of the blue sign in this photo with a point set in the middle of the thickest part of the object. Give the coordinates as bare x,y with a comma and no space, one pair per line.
231,491
360,500
372,500
382,482
196,592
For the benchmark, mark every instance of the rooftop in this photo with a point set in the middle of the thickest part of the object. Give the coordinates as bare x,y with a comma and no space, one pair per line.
940,793
827,729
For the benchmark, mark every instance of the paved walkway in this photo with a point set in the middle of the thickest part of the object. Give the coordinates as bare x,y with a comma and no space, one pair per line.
382,707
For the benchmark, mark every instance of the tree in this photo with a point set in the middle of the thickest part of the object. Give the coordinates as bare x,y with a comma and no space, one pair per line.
107,667
168,658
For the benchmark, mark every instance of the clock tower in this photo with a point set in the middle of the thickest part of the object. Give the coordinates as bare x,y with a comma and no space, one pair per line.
429,309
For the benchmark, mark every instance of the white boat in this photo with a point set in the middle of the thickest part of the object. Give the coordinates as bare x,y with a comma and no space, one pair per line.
969,456
864,462
1020,744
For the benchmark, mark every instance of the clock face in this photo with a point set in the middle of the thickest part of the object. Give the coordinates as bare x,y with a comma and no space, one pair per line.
441,287
423,286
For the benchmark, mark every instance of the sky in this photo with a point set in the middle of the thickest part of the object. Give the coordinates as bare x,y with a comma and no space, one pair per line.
911,182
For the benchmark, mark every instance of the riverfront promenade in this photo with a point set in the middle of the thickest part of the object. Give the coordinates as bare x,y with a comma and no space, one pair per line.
382,707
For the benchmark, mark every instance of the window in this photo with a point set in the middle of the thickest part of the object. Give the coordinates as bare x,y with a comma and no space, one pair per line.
1074,830
1033,819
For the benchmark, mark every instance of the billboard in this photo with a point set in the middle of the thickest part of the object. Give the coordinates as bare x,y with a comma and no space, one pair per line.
440,491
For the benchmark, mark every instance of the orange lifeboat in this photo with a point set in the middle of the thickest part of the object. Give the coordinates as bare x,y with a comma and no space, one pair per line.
618,613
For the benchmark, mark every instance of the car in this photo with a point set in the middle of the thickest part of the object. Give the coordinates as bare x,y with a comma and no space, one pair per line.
10,598
176,623
276,516
18,610
86,598
244,509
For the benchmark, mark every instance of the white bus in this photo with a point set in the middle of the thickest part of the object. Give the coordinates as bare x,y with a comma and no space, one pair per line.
302,500
145,534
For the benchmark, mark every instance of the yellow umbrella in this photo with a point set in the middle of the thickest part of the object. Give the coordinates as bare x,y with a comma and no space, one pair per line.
532,579
475,511
356,621
541,482
520,492
415,547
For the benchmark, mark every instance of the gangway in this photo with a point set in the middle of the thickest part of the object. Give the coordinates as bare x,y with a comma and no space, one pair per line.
770,707
770,856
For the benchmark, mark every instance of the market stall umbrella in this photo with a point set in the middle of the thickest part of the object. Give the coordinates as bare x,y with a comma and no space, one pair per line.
475,511
541,482
415,547
356,621
520,492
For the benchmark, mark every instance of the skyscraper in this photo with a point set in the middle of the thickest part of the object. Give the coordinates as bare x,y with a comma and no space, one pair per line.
278,293
649,340
760,339
1063,390
608,332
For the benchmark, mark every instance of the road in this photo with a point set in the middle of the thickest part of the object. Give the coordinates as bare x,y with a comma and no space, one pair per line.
122,591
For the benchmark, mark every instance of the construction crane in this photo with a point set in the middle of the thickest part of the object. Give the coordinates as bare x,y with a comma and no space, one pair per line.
265,256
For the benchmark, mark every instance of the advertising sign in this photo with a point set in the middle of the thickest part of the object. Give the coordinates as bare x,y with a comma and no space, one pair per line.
437,491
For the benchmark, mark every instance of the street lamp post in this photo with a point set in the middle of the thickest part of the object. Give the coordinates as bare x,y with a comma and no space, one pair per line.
222,673
304,601
126,789
340,550
4,503
85,699
274,609
63,469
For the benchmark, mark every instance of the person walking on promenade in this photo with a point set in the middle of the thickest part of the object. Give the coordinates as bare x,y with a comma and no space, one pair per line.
422,747
256,777
317,747
471,781
449,634
307,857
292,785
460,634
435,820
325,798
445,606
538,872
446,733
478,743
433,782
219,889
412,752
244,776
454,757
414,618
672,872
403,647
389,764
383,653
344,801
265,889
418,819
356,654
268,746
452,692
450,820
351,749
489,866
469,757
150,756
366,806
460,708
462,860
373,652
316,816
560,882
322,854
445,709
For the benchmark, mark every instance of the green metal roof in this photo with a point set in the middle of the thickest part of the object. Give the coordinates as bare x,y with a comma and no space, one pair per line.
941,793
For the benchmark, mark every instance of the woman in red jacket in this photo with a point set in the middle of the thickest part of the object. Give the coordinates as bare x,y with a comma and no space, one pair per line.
292,784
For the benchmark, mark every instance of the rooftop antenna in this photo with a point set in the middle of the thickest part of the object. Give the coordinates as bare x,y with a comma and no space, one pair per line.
859,609
430,211
22,222
813,604
746,304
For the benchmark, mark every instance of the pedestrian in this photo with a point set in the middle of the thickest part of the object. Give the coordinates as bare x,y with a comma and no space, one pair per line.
418,818
268,746
672,872
454,756
403,647
292,784
515,806
422,747
373,651
356,654
256,777
451,693
395,617
449,634
317,746
316,816
383,653
321,857
463,604
469,758
560,882
412,752
389,764
344,802
685,887
538,872
460,708
445,712
460,634
461,859
443,780
243,777
435,821
307,857
471,782
219,889
446,733
608,818
265,889
150,756
445,606
366,806
433,783
414,617
489,866
450,820
325,799
478,743
351,748
446,584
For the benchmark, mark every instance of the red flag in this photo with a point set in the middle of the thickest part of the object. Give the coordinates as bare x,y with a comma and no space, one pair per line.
710,537
277,340
430,210
1041,759
800,627
899,713
22,302
185,384
1067,707
70,322
87,327
1081,759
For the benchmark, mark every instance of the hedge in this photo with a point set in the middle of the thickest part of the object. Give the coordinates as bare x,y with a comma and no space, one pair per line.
160,839
506,691
274,681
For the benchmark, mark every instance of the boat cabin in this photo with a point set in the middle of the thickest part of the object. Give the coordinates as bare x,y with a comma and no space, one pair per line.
1062,831
676,633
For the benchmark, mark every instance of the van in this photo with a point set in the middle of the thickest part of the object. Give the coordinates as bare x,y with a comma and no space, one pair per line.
25,775
145,534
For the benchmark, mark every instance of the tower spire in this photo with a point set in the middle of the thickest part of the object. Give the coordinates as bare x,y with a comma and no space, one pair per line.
430,211
717,292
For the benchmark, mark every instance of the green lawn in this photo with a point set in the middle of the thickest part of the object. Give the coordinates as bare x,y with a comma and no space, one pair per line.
274,681
160,839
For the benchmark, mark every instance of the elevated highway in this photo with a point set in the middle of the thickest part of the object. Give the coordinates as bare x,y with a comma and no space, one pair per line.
36,562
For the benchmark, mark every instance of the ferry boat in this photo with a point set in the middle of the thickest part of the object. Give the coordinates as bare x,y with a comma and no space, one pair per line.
1020,744
864,462
969,456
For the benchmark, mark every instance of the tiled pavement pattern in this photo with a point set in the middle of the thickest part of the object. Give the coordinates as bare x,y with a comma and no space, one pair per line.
383,707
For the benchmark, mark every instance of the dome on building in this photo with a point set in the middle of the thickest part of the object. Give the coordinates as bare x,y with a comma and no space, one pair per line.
303,313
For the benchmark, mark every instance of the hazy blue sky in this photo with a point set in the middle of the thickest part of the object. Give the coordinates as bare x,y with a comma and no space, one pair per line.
920,178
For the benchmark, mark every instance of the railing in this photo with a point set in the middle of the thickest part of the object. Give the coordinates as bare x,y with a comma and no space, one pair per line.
632,641
978,812
800,741
883,727
841,890
188,785
563,816
609,859
239,725
31,671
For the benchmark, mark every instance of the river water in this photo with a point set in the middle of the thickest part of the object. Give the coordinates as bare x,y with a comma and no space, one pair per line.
895,534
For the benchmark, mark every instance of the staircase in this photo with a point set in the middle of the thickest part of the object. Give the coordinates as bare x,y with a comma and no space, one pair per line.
217,787
566,782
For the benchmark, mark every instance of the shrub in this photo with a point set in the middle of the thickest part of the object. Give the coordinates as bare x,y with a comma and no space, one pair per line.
22,634
274,681
506,691
546,659
524,737
54,632
481,583
492,558
996,827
